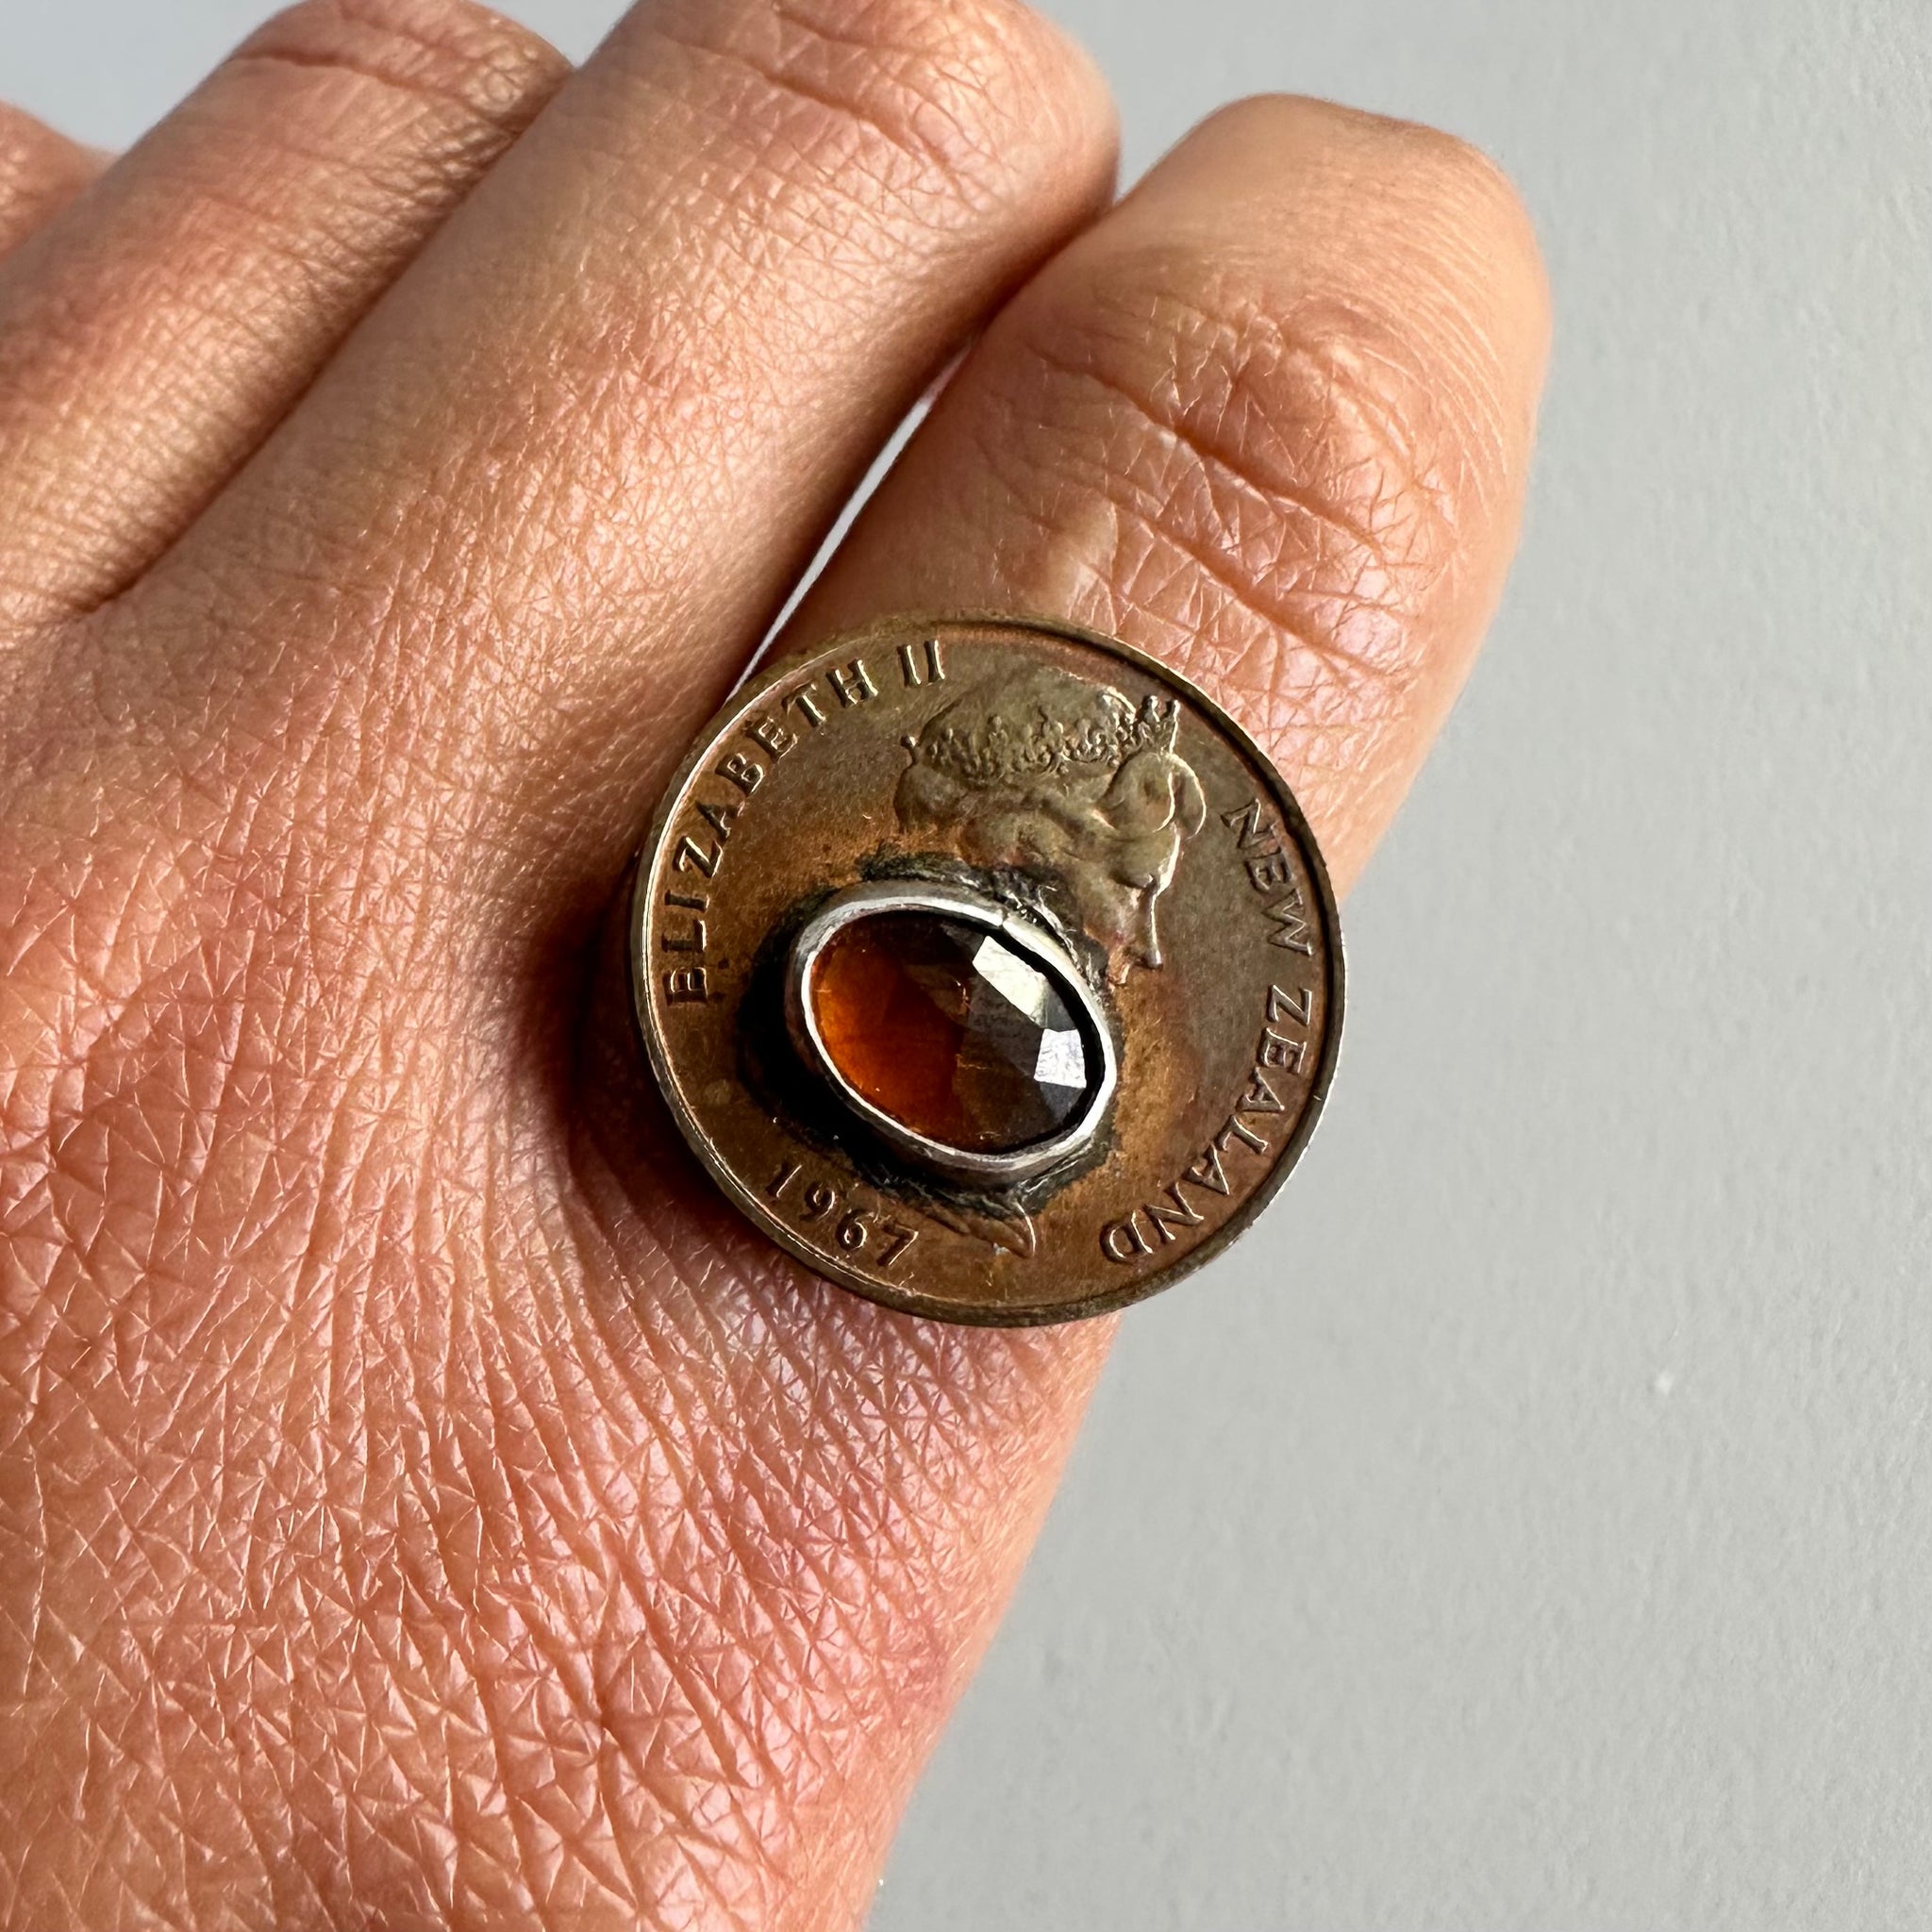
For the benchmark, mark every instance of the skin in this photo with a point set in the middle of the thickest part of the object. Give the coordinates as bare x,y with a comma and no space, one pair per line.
421,1504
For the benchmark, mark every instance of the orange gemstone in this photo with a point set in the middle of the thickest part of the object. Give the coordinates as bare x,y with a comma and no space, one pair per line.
951,1031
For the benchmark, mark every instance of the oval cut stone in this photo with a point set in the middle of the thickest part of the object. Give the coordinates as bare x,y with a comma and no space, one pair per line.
951,1031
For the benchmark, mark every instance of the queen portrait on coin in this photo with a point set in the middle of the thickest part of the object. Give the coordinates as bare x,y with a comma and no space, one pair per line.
1059,776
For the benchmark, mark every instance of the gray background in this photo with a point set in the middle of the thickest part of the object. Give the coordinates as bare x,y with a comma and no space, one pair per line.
1529,1526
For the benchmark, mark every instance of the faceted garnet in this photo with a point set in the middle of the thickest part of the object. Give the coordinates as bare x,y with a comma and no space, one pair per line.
951,1031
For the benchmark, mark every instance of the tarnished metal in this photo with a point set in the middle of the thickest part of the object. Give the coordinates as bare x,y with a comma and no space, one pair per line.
1117,829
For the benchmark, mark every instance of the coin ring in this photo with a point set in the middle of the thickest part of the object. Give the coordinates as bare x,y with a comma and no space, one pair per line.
891,772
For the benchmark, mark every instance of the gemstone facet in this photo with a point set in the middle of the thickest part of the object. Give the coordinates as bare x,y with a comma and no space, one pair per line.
950,1031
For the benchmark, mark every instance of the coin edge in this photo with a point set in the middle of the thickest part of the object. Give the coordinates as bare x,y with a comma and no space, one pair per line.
761,679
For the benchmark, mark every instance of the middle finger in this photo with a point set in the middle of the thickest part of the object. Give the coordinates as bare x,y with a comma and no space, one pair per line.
607,415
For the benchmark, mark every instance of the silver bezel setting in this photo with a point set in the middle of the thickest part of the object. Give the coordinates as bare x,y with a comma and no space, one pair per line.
1034,944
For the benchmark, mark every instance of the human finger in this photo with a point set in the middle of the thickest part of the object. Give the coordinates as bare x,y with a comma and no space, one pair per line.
604,423
151,339
1271,422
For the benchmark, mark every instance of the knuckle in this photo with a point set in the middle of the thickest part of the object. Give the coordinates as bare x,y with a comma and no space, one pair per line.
19,159
452,53
1421,211
35,164
1385,149
1469,211
1460,179
978,97
21,139
1287,457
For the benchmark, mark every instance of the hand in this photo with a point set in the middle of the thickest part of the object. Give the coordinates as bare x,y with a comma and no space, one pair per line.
421,1502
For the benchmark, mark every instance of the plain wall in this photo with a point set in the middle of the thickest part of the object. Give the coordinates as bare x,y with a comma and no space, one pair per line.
1528,1526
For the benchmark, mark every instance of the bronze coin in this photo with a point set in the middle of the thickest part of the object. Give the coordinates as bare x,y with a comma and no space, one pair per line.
989,967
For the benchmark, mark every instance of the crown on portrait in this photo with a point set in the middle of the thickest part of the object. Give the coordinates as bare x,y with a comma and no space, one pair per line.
1003,752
